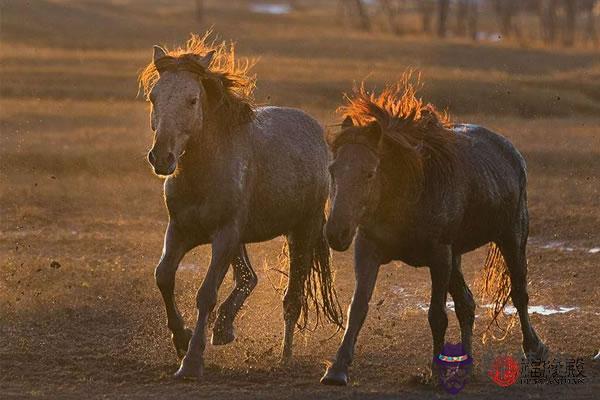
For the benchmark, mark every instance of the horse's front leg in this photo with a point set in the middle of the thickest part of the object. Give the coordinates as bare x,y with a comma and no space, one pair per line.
440,268
366,267
225,244
175,247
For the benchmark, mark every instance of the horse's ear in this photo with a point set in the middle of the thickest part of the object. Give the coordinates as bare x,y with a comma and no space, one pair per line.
207,59
214,91
347,122
159,52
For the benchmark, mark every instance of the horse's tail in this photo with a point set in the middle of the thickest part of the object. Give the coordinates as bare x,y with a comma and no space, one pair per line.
319,289
495,286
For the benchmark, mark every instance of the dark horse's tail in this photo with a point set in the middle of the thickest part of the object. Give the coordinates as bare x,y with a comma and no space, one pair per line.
319,290
496,284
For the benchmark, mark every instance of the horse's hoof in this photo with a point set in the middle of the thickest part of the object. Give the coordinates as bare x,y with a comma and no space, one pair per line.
285,361
286,358
189,370
222,335
182,342
334,378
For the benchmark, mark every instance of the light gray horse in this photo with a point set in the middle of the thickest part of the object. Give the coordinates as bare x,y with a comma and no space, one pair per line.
236,174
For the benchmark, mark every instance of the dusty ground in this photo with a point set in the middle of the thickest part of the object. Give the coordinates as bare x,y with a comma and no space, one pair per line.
75,188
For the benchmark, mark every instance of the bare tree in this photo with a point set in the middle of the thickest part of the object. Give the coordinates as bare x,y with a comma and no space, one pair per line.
570,7
354,9
473,19
506,10
566,12
392,10
462,7
427,10
548,17
466,18
365,23
587,7
443,11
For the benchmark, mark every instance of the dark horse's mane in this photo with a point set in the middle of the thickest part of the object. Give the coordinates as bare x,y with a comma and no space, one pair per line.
421,137
226,78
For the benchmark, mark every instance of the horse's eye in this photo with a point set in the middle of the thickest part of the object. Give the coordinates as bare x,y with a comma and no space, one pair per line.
193,101
370,175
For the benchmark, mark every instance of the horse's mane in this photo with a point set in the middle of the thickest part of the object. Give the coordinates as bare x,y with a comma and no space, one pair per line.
421,137
234,84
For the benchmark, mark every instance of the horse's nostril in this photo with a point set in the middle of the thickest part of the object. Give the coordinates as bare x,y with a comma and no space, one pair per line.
151,157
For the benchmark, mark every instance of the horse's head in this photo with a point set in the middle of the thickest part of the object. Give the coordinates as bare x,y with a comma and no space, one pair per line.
178,104
354,173
195,90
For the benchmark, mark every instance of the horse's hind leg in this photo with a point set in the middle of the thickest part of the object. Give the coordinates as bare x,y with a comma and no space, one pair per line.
300,253
463,302
440,269
513,247
245,282
174,249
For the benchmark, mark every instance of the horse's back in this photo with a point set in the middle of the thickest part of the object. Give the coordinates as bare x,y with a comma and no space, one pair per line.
289,130
487,145
290,160
495,177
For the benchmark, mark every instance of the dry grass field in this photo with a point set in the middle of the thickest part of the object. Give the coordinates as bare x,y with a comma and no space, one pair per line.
82,216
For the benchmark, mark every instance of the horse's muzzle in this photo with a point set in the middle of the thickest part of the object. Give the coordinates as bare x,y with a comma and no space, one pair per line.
338,237
162,165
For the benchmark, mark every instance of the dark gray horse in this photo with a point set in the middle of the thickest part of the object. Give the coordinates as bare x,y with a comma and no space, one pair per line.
236,174
412,187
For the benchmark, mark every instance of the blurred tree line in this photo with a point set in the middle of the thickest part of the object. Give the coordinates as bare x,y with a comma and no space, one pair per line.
558,20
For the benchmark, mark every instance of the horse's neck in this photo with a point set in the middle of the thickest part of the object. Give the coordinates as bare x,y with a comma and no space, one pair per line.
197,163
403,200
208,155
395,198
202,154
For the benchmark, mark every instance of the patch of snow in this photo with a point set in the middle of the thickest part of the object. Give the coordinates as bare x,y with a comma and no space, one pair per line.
425,307
273,9
188,267
542,310
562,246
489,36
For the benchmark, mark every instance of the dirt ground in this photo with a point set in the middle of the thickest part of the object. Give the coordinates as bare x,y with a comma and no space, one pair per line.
82,216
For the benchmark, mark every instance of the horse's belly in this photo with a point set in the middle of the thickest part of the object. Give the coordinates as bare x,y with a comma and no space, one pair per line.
284,198
480,227
397,244
268,219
